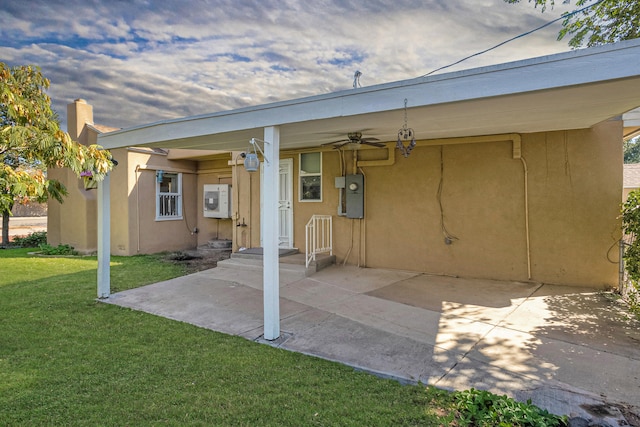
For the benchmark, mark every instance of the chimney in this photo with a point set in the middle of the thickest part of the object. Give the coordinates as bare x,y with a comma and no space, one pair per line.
79,113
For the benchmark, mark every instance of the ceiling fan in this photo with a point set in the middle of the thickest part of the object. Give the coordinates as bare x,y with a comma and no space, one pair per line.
355,139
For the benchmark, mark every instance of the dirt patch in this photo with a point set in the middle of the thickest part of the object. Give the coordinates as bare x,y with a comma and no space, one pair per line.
613,410
631,415
196,261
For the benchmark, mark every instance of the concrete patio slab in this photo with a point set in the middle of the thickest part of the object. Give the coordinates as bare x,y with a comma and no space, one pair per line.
578,316
361,279
565,348
316,293
542,359
371,349
481,300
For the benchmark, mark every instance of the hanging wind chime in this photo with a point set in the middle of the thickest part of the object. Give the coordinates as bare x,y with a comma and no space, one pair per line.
406,134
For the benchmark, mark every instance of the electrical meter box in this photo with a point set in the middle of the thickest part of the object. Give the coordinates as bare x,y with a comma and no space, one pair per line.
354,188
217,201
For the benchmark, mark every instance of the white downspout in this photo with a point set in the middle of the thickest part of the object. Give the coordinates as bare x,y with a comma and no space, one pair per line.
104,237
271,274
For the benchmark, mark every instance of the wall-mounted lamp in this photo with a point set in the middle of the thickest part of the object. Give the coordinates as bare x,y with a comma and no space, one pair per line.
406,133
251,161
159,175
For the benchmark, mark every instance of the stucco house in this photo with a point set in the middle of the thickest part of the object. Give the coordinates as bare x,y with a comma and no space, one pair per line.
140,223
515,174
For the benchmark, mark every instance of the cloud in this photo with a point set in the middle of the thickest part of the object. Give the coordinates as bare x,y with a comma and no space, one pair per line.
144,61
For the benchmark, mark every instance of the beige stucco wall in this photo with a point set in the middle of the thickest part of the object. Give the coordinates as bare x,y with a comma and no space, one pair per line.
574,218
574,187
73,221
216,171
134,228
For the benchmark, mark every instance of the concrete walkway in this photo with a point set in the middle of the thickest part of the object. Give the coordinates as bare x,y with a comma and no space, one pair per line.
570,350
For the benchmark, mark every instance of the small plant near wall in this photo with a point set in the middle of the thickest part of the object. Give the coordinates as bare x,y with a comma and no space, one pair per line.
33,240
46,249
631,229
485,409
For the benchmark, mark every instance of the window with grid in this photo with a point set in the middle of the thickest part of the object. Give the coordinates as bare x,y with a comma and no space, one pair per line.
169,197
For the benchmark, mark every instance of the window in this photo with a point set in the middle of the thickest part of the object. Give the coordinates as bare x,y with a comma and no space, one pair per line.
310,177
168,196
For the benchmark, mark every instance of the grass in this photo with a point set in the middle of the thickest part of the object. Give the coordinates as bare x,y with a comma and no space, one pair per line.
66,359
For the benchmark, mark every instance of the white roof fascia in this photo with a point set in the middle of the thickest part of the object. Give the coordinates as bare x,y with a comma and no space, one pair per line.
579,67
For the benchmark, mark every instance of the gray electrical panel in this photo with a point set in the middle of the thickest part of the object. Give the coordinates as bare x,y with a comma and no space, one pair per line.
355,196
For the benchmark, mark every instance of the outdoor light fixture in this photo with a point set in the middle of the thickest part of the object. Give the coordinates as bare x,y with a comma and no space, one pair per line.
405,134
159,175
251,161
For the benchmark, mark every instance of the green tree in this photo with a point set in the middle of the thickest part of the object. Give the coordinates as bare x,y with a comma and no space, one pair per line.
31,141
632,150
597,22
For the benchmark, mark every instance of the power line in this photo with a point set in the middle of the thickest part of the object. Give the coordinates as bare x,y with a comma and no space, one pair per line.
564,16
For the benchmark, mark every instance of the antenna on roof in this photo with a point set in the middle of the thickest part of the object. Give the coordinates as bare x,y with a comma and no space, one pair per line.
356,79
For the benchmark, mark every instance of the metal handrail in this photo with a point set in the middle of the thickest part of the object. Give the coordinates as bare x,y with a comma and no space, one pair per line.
319,237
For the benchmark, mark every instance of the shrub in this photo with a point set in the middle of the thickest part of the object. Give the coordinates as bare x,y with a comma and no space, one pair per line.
33,240
47,249
631,229
485,409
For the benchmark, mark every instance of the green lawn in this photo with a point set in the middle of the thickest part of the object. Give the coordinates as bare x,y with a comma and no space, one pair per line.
66,359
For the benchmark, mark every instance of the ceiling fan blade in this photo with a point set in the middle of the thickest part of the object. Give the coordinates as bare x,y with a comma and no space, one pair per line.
367,139
375,144
336,142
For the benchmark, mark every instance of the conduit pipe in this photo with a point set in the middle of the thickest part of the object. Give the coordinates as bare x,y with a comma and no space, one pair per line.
526,215
517,154
363,232
389,161
138,207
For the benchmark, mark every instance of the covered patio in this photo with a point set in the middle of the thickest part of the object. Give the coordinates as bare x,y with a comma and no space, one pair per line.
574,90
569,350
565,347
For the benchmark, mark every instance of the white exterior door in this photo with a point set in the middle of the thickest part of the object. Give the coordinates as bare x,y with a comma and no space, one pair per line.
285,204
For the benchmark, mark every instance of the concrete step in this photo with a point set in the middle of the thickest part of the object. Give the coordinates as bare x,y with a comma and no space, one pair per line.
220,244
206,250
322,261
256,253
290,264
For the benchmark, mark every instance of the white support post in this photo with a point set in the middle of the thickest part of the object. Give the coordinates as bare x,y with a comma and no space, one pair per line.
271,274
104,237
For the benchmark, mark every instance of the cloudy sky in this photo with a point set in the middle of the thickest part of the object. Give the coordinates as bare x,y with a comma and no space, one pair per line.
141,61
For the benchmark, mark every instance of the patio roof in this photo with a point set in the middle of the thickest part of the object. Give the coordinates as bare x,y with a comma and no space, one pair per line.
571,90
